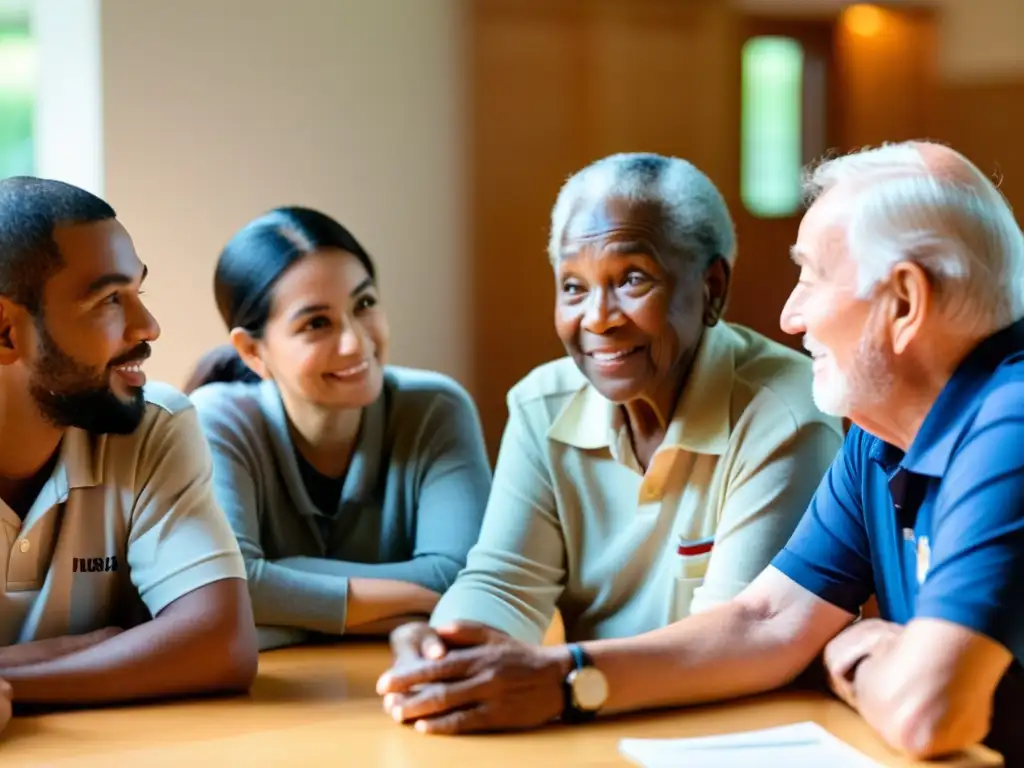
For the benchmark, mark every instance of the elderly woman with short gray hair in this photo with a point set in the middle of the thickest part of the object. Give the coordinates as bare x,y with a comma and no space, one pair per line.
650,474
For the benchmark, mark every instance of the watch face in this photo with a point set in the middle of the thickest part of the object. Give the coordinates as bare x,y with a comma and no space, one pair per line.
589,688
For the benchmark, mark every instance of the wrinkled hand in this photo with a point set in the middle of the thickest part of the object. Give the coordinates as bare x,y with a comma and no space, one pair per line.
862,638
418,640
496,686
5,703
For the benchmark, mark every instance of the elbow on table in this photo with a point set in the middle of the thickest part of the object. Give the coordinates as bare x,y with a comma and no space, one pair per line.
253,567
227,648
925,730
443,573
239,659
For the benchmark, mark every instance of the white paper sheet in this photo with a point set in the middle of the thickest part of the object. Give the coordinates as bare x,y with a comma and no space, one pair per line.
802,745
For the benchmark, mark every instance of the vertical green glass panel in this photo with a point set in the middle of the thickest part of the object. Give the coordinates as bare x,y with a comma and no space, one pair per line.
771,151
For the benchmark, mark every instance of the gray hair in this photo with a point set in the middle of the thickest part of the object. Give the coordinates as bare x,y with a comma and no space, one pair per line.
956,225
697,220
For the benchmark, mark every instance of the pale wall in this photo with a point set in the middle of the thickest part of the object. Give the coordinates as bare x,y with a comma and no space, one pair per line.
215,110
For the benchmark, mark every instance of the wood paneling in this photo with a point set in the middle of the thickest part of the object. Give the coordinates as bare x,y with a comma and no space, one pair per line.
528,94
887,81
983,120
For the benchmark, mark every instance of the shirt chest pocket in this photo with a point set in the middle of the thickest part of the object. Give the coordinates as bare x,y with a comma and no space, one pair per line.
689,576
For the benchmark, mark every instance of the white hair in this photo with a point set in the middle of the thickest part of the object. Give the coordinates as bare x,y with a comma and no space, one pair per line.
957,226
697,221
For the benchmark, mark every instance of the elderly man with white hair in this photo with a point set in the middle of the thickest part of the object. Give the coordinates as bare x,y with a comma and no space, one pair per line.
910,299
654,472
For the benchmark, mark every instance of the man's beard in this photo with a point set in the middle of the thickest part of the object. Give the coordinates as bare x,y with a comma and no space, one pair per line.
870,380
70,394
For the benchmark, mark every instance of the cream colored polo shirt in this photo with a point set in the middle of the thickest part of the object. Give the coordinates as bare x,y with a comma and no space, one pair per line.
574,522
125,525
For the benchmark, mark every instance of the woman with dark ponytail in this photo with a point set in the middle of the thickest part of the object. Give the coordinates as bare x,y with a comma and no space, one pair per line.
220,364
355,488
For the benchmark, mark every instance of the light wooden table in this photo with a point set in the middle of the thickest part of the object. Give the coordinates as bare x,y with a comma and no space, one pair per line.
317,706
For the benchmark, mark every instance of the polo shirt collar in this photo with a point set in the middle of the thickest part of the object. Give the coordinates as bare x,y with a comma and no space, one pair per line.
701,422
80,465
933,445
364,466
588,421
82,458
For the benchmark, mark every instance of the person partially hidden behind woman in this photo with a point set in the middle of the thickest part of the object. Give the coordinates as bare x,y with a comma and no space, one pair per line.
657,469
355,488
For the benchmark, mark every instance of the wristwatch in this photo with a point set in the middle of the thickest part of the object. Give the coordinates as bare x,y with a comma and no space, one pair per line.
585,688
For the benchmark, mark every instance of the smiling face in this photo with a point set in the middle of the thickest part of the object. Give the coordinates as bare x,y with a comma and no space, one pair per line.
326,340
843,332
629,313
92,334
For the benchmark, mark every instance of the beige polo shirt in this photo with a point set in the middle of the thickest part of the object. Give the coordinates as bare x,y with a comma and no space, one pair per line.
125,525
574,522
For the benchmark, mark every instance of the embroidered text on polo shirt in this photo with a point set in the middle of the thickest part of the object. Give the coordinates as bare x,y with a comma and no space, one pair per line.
94,564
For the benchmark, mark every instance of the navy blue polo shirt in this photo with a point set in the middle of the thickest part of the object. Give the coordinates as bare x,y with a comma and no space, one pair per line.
937,532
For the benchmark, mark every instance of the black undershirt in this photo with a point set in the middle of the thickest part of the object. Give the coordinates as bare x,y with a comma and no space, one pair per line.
20,495
324,492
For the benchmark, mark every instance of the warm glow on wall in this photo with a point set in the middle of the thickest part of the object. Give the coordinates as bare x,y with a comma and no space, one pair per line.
864,20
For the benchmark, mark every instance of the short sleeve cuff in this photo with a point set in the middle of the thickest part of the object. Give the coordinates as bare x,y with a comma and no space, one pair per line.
991,621
844,596
219,566
483,608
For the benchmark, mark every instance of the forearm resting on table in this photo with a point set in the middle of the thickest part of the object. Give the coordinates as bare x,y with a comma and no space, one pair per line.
204,642
727,651
378,602
436,572
760,640
38,651
386,626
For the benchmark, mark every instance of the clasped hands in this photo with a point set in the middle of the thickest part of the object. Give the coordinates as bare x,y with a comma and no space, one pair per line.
467,678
